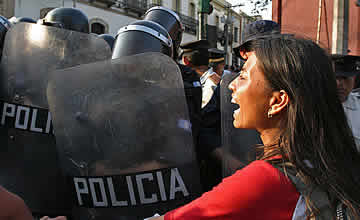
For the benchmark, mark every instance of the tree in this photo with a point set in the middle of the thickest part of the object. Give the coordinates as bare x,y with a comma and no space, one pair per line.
259,5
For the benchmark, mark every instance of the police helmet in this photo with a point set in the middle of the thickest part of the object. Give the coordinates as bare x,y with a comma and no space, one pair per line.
67,18
140,37
109,39
24,19
170,21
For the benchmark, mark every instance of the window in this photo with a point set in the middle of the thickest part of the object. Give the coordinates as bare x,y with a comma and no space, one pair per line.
97,28
157,2
177,5
192,10
236,34
217,22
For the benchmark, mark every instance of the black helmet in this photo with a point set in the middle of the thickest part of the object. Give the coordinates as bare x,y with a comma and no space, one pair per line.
109,39
169,20
4,27
140,37
67,18
24,19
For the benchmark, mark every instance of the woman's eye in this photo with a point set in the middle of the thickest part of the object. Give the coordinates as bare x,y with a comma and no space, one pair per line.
243,74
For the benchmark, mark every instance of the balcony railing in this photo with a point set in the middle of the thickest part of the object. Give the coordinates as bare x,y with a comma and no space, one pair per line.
190,23
139,7
136,6
108,3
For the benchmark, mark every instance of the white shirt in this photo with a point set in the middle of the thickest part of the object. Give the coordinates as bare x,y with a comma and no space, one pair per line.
208,87
352,111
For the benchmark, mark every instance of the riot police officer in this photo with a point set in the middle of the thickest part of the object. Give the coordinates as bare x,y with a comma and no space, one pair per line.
29,161
170,21
140,37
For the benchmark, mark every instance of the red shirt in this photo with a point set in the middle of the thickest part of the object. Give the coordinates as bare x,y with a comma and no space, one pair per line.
258,191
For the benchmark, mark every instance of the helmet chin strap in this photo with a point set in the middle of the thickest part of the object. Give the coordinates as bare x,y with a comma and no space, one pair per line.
51,24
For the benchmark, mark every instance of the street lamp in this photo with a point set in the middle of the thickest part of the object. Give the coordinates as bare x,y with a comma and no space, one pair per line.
228,22
204,8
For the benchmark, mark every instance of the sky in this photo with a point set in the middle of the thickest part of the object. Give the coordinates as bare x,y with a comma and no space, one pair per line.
266,14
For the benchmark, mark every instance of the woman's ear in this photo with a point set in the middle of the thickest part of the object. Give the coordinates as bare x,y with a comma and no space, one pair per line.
186,61
243,54
278,102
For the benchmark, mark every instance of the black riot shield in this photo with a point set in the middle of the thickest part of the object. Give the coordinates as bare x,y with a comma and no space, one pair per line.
238,144
124,137
28,159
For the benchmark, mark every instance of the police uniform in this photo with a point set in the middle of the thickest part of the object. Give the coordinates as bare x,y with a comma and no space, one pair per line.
352,111
208,85
197,54
349,66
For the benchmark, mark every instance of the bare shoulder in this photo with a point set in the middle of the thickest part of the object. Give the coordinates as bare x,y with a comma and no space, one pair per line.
12,207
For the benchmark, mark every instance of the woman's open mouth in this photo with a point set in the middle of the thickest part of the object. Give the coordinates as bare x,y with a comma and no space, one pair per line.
238,109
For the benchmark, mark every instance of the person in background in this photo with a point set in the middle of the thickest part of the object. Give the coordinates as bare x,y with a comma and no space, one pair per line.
212,77
226,70
196,56
347,68
195,61
286,92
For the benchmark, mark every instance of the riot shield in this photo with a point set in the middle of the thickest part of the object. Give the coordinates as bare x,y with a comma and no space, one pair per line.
238,145
28,159
124,137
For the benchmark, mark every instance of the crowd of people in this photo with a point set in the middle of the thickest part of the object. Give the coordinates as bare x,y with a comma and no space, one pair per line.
302,101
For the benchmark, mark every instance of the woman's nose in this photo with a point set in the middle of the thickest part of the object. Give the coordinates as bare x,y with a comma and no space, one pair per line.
232,85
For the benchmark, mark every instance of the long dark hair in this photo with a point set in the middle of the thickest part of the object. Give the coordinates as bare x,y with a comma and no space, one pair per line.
316,137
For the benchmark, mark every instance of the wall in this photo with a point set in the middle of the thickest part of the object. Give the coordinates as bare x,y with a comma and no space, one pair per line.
354,29
114,20
31,8
301,17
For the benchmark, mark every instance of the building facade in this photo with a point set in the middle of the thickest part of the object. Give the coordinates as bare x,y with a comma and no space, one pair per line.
108,16
334,24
